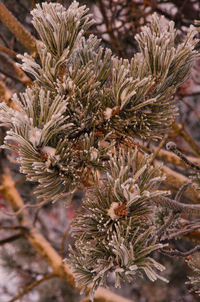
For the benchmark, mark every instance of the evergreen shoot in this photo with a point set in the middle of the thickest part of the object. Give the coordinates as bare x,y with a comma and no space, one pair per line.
72,125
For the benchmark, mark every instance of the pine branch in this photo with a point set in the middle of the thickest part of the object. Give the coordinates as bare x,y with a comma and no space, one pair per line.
41,245
68,132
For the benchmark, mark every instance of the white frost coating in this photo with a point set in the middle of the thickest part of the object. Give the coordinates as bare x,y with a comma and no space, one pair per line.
111,211
130,191
108,113
50,152
34,136
94,154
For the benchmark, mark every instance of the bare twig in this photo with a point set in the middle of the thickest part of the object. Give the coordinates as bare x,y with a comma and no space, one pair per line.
4,40
5,93
62,248
171,158
11,238
177,206
8,51
176,253
179,129
31,286
191,107
109,28
26,206
174,213
186,228
172,147
182,190
163,141
176,180
11,69
185,231
17,29
168,222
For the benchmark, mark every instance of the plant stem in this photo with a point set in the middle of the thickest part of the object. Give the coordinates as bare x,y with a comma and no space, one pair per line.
17,29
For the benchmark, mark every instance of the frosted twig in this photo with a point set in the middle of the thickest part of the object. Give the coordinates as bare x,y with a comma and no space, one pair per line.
179,129
177,206
182,232
168,222
172,147
176,253
182,190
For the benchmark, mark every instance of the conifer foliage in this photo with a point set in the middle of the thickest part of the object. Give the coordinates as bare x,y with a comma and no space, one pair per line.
69,126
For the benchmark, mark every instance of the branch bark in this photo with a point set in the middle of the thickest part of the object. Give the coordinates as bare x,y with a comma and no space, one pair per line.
179,130
174,159
176,180
17,29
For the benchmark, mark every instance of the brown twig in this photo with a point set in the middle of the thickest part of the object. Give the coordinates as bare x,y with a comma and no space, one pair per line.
182,189
62,247
177,206
162,143
11,238
192,108
193,235
5,93
185,231
8,51
26,206
11,69
109,28
176,180
31,286
17,29
179,129
4,40
176,253
171,158
173,148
